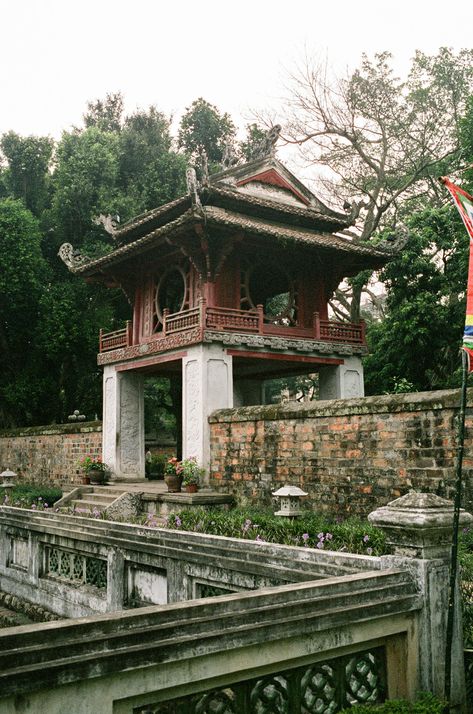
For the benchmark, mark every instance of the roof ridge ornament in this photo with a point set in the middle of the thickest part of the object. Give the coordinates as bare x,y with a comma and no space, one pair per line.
229,158
266,148
72,257
193,187
395,241
110,223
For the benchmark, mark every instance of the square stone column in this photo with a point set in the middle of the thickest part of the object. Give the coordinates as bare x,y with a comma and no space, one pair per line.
418,527
344,381
123,437
207,385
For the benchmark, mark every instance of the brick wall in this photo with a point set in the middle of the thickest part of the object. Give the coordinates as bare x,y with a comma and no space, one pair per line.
350,455
50,454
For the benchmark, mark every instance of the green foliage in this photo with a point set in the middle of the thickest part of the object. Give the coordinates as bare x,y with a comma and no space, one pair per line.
25,495
203,128
255,135
465,562
84,180
418,341
311,529
426,704
23,273
105,114
27,176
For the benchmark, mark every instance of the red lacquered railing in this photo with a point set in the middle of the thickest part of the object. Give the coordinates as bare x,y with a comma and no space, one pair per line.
331,331
179,321
114,340
222,318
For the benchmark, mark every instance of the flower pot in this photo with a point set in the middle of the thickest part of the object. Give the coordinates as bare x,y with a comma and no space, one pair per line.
173,482
85,480
96,476
191,488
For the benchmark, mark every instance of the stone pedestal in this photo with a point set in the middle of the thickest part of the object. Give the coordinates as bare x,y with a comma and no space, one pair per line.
207,385
123,439
344,381
419,529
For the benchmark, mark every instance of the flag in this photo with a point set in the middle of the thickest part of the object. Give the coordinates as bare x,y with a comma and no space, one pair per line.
464,203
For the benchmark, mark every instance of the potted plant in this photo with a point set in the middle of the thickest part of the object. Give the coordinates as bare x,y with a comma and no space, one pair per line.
192,474
173,475
94,470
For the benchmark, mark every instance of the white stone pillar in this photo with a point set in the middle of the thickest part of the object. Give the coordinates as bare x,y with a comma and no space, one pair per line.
343,381
207,385
123,439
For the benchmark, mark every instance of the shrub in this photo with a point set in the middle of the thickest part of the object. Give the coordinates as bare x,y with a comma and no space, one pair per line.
26,495
312,530
426,704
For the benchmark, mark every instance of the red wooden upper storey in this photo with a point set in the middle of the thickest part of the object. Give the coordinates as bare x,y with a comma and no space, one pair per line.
251,251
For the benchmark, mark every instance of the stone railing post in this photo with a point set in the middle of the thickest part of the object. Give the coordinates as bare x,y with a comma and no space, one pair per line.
418,527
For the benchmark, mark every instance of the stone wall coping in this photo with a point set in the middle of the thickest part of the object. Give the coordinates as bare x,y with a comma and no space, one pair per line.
51,654
81,427
381,404
186,499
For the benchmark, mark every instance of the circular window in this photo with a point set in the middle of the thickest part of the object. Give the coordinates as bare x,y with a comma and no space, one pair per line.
171,292
270,286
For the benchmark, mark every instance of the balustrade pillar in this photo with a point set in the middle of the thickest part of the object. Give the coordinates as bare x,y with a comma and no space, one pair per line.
419,529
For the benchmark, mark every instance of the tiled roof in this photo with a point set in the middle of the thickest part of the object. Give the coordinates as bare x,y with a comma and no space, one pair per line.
214,215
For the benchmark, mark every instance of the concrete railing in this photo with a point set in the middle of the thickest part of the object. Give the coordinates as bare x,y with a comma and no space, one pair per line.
282,624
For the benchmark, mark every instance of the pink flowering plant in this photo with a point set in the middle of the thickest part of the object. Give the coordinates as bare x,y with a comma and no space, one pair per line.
173,467
93,464
191,471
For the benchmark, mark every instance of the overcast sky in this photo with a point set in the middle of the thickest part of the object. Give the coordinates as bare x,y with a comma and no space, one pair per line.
57,54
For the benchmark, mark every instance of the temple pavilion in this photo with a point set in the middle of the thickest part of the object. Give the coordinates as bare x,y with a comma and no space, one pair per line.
229,287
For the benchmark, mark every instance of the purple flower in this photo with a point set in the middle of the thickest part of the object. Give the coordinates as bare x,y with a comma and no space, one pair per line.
328,536
178,522
320,544
369,551
259,539
305,537
320,536
366,538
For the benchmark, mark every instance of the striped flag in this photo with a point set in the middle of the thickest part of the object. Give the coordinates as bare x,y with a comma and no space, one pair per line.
464,203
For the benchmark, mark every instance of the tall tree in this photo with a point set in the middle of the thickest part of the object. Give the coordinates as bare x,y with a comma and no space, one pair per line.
23,274
204,128
151,172
27,169
381,141
105,114
417,343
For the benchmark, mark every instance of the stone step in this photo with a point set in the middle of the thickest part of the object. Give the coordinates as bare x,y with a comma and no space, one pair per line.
104,498
112,490
78,504
89,503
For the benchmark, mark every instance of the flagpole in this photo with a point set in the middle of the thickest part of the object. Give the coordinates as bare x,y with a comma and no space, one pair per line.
456,521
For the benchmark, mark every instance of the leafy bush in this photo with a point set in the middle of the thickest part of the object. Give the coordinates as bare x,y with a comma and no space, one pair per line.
312,530
426,704
26,495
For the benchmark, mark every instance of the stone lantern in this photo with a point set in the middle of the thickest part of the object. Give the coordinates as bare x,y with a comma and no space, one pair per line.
7,477
289,497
